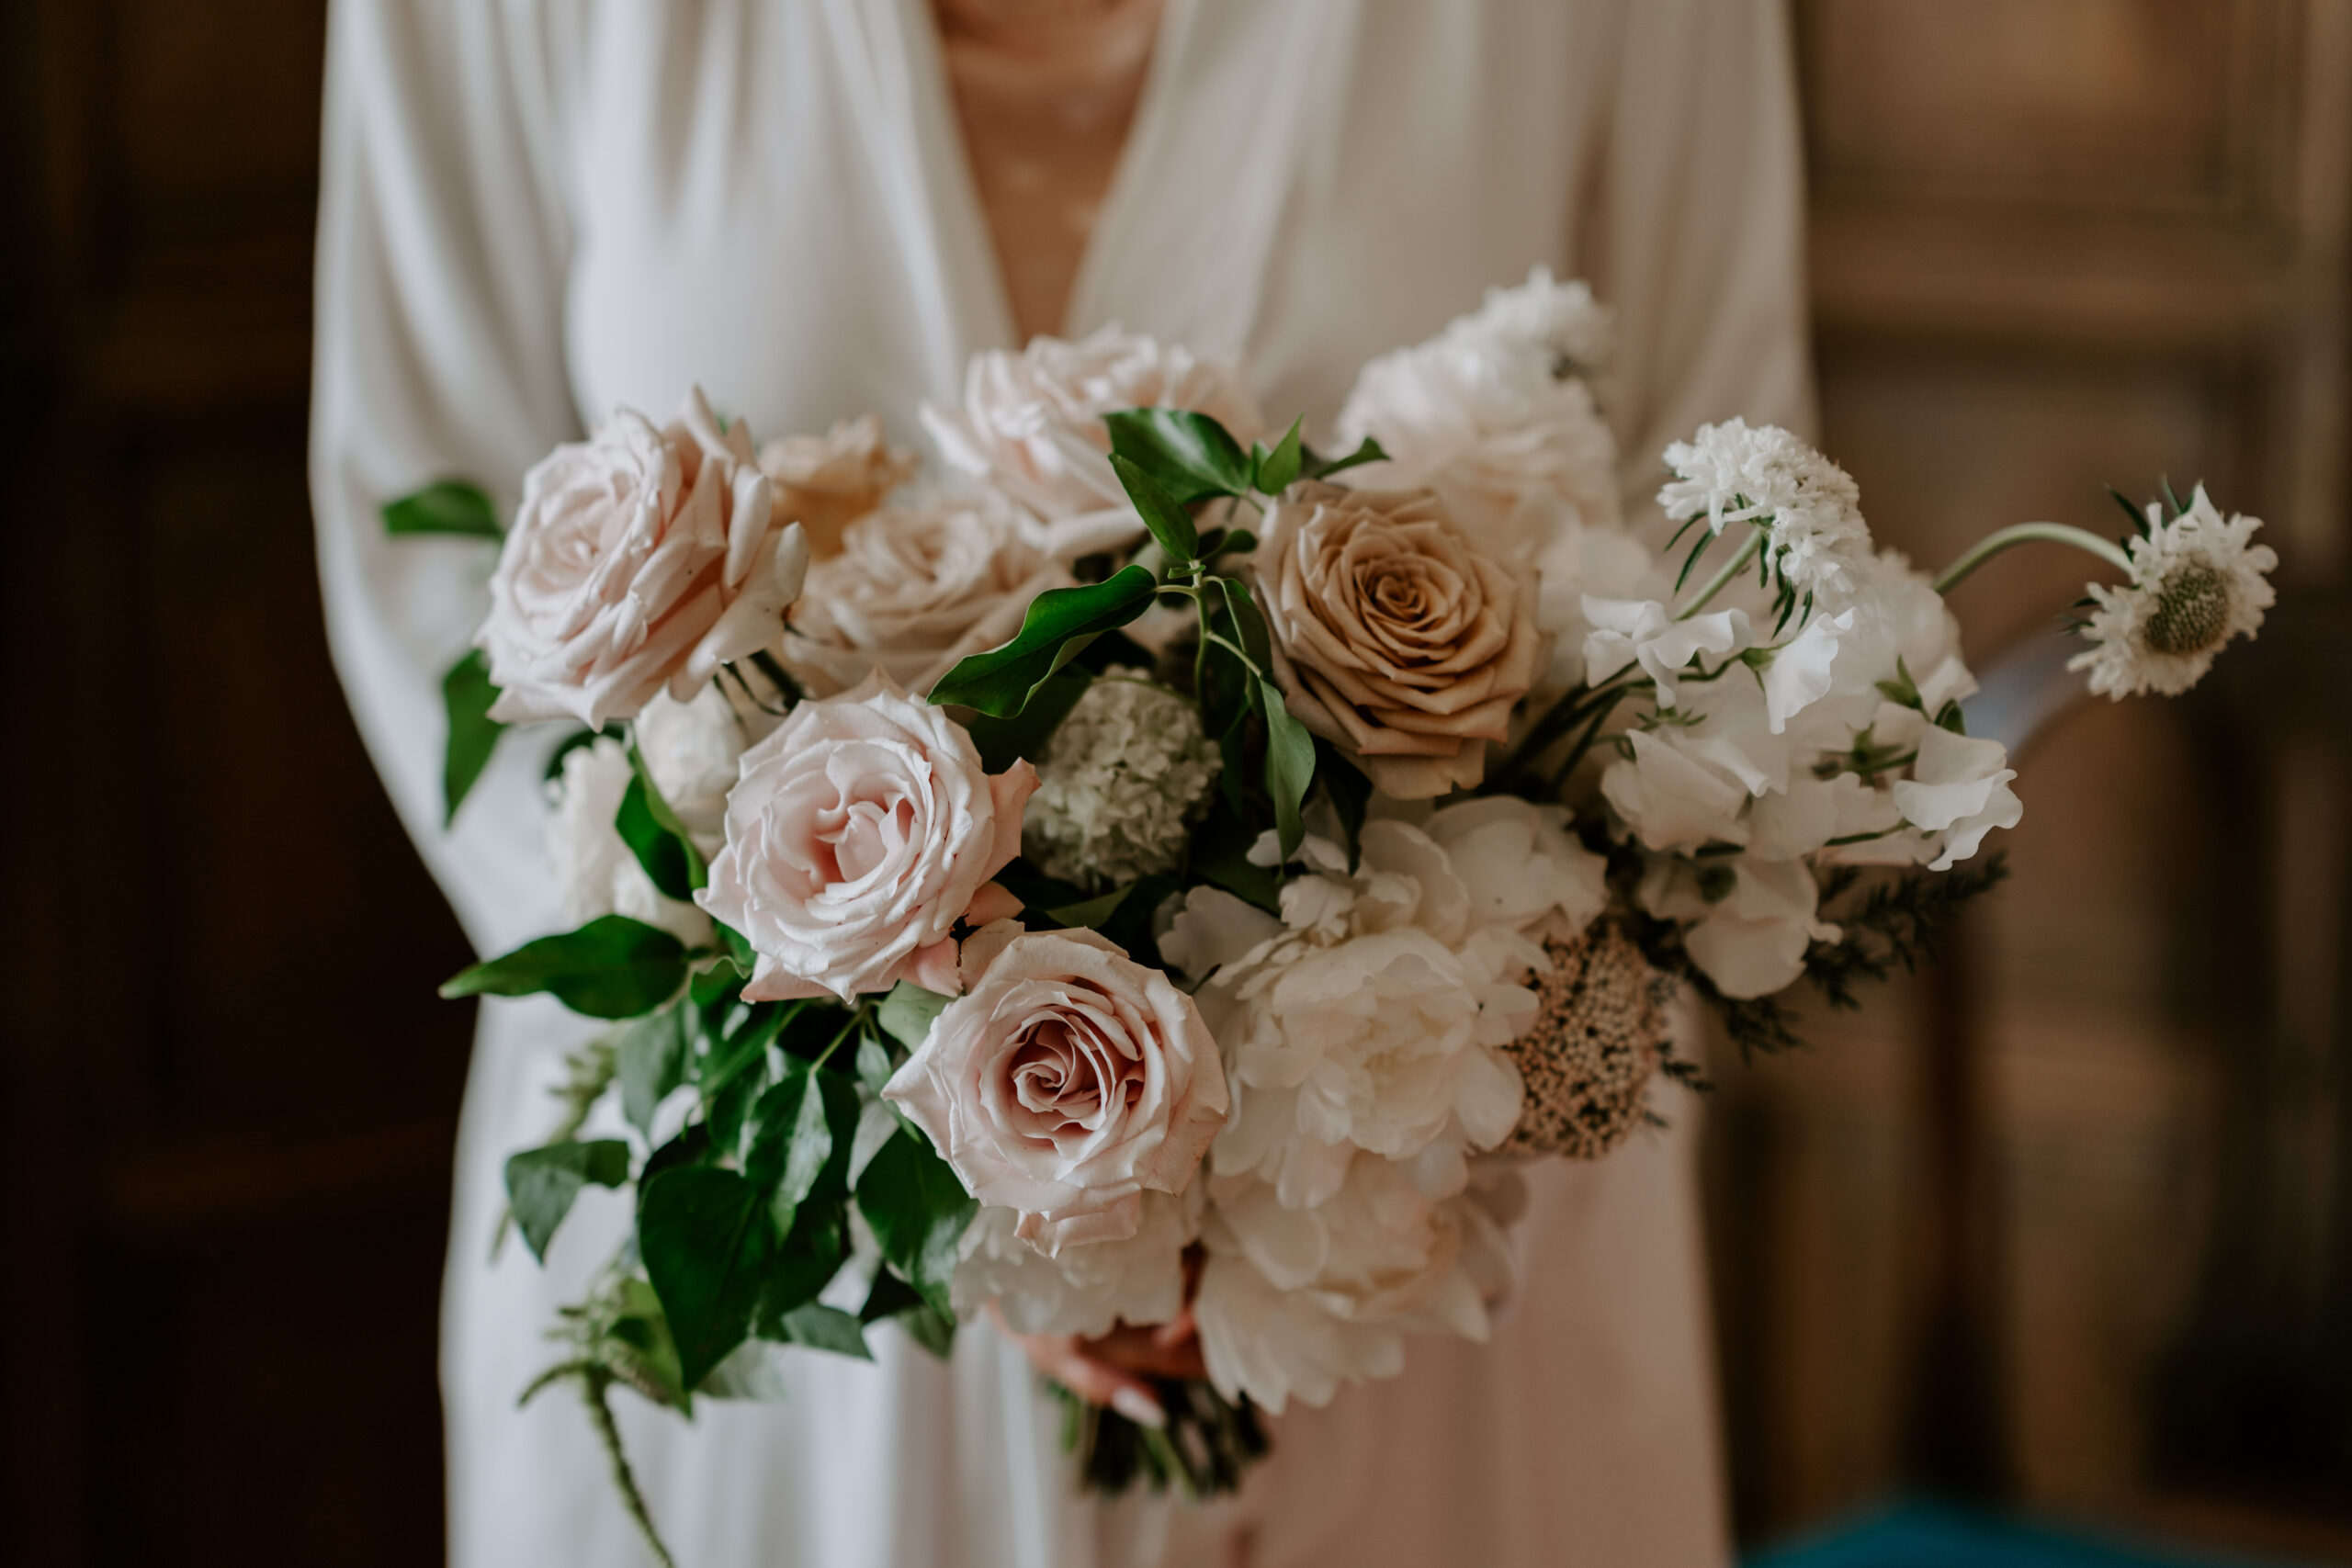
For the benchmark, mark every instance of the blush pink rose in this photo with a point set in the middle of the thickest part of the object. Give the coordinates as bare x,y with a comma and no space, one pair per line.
639,560
1066,1082
858,834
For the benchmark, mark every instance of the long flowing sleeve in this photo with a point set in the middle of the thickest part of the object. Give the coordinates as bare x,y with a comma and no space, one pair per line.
442,251
1697,229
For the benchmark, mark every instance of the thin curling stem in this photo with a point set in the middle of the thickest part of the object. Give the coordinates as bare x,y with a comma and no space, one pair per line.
2027,533
1722,580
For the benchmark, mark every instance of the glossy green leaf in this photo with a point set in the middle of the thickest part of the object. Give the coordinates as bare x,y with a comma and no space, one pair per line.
1367,451
894,1299
705,1238
1004,742
800,1136
917,1210
656,836
1290,766
465,697
611,967
1060,620
906,1013
565,748
1277,469
541,1184
1248,622
804,1262
1164,518
821,1328
444,506
1190,455
649,1060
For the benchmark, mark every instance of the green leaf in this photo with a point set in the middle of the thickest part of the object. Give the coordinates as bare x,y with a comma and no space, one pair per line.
805,1264
650,1059
1001,680
1004,742
1091,912
905,1014
1317,468
706,1237
1290,766
1167,521
1276,470
821,1328
918,1209
650,1356
1248,622
465,695
611,967
656,836
1221,856
800,1140
739,946
1351,794
1238,542
541,1184
873,1064
444,506
1191,455
892,1297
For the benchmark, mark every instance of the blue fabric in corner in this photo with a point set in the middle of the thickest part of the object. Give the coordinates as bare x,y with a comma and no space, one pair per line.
1926,1535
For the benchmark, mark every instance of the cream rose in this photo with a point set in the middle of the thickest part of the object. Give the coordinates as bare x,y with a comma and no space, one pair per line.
857,835
1031,423
825,482
915,588
1066,1082
1395,637
641,559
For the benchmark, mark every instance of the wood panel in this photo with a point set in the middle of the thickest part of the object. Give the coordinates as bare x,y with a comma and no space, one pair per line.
228,1099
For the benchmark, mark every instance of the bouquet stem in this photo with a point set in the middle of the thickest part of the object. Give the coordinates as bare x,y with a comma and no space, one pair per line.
1995,543
1206,1445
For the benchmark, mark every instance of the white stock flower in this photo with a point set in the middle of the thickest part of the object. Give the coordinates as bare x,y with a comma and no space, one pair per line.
1809,507
1628,631
1031,423
1086,1289
1494,415
1123,778
1960,788
916,586
595,870
2197,581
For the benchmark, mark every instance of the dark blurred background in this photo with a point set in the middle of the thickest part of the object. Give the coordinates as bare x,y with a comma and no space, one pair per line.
2064,1226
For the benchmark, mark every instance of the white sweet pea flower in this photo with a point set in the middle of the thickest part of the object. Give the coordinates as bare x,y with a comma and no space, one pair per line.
1626,631
1811,814
1670,799
1798,673
1960,788
1750,938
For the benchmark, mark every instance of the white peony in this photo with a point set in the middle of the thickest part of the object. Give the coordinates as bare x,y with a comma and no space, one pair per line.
594,871
1123,779
1087,1289
1496,414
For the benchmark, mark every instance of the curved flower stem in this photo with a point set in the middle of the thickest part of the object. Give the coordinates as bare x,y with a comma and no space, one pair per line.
1993,543
1722,579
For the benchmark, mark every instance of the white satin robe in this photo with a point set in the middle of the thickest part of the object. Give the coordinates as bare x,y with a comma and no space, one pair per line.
535,211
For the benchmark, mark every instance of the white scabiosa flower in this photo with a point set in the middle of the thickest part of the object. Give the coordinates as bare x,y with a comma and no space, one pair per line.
1572,332
1809,507
1123,781
2197,581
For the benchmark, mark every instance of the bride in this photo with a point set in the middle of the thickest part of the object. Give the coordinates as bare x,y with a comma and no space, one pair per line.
536,210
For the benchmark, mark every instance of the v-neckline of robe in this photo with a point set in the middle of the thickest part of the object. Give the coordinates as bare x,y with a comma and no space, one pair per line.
947,153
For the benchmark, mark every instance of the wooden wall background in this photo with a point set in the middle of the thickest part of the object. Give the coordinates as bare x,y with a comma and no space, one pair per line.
2056,244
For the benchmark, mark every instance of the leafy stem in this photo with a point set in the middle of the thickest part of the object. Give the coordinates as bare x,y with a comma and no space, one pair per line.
1993,543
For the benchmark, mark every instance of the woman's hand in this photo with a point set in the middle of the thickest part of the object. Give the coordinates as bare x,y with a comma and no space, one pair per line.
1113,1370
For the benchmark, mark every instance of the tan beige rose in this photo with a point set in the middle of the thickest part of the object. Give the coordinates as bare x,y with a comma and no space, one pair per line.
916,586
825,482
1395,637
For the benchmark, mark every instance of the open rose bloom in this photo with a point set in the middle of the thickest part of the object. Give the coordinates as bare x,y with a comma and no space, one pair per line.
1151,871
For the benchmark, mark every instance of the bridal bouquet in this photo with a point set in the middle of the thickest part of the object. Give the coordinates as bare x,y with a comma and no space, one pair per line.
1148,873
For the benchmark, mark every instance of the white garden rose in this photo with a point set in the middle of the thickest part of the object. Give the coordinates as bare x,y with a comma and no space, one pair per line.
693,749
1087,1289
1031,423
595,872
859,834
1066,1082
639,560
916,586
